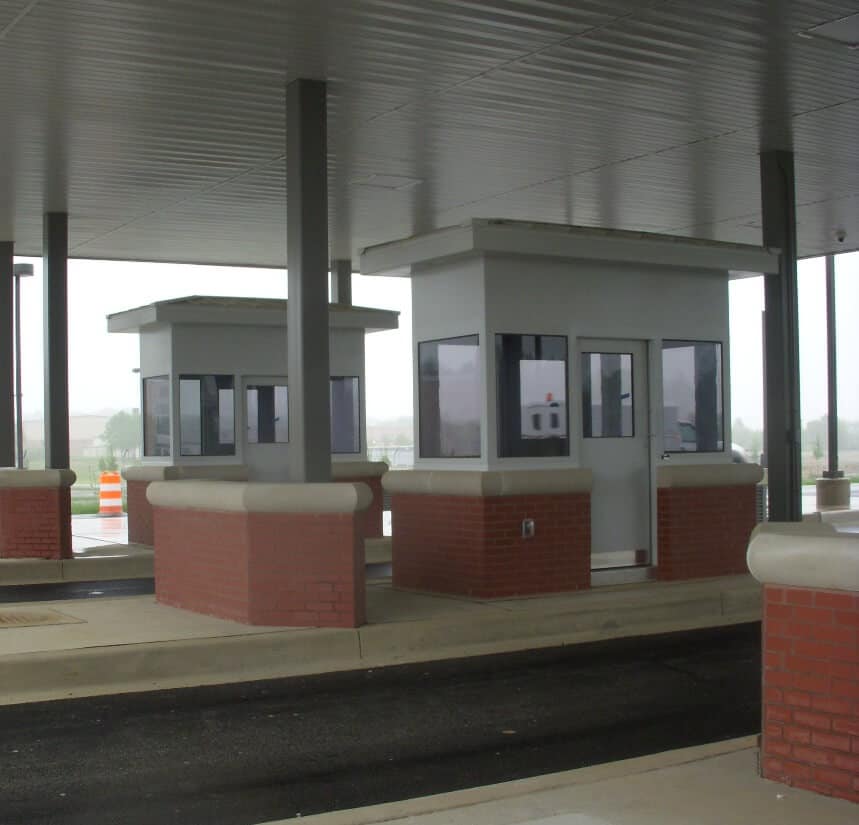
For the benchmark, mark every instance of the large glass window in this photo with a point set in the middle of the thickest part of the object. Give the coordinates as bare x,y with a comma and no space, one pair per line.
532,395
449,397
267,413
692,396
607,402
345,415
156,416
206,415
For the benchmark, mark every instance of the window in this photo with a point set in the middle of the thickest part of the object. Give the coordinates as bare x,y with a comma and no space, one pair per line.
692,396
206,415
532,395
267,413
449,398
345,415
607,403
156,416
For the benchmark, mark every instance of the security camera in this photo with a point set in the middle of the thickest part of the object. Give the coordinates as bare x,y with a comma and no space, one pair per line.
840,235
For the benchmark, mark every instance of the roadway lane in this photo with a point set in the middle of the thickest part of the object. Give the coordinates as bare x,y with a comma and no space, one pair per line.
59,591
243,754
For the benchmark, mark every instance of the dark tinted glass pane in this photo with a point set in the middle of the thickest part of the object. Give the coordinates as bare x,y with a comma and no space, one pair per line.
532,395
345,415
156,416
190,434
449,398
267,414
692,396
207,417
607,402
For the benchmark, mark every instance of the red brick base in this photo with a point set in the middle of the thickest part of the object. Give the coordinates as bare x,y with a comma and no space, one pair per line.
372,516
35,523
472,546
704,531
811,690
280,569
140,529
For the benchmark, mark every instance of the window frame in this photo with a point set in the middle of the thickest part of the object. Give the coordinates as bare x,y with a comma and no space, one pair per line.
586,395
254,384
143,395
229,449
358,439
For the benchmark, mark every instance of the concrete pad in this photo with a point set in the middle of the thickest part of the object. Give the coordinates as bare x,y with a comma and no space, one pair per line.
134,643
30,571
706,785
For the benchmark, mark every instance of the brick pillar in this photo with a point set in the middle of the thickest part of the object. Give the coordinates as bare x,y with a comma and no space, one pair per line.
35,514
140,521
811,690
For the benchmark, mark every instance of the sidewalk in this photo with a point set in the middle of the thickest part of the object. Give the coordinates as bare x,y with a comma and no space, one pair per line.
707,785
59,649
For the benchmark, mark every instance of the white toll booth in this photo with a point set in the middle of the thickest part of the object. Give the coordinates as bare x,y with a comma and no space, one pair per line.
214,383
547,347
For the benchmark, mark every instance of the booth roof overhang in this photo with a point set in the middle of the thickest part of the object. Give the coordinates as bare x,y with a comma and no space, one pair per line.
210,309
158,125
399,258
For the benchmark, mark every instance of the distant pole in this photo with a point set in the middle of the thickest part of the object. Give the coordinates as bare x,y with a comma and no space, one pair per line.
832,418
21,271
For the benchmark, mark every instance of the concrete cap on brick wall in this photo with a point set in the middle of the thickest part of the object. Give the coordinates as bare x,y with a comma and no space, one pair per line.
170,472
488,483
804,554
358,469
253,497
37,478
707,475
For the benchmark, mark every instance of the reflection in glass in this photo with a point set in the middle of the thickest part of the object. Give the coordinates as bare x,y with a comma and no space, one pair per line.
345,415
449,398
607,403
532,395
692,396
267,414
206,415
156,416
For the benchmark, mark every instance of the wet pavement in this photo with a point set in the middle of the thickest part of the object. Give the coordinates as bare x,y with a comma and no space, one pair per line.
249,753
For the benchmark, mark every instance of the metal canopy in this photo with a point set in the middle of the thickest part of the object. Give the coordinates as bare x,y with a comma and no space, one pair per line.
159,124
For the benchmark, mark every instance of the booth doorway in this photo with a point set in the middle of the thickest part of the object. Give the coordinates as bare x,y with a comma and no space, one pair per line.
616,447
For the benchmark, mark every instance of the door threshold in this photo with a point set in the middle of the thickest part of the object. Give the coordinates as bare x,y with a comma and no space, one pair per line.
622,575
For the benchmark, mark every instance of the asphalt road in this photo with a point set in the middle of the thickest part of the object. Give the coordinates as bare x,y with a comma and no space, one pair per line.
54,591
249,753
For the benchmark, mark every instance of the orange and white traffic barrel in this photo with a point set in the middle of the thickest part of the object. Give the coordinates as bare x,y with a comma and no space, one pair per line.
110,494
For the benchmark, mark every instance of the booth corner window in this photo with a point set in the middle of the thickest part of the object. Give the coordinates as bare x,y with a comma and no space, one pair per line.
532,395
345,414
692,413
267,413
449,397
607,403
206,415
156,416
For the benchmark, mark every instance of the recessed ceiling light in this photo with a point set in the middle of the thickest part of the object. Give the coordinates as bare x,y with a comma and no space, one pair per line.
392,182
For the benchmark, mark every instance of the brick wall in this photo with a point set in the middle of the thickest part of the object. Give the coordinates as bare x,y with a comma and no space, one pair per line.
371,518
140,530
281,569
704,531
811,690
35,523
472,546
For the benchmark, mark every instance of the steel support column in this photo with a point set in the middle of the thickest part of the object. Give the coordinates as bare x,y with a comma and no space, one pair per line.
832,470
341,282
7,353
55,250
781,344
307,251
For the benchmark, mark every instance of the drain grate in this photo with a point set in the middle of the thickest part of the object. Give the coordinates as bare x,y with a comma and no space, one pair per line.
30,618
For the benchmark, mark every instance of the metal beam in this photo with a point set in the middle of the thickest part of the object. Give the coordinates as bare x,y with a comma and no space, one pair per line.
781,344
55,248
832,470
7,355
341,282
307,251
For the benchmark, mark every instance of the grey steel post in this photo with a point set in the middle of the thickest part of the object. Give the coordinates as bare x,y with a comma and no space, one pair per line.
55,250
832,374
7,425
21,271
341,282
307,251
781,345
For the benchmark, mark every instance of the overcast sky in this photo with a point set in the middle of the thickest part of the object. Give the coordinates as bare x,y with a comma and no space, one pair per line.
101,365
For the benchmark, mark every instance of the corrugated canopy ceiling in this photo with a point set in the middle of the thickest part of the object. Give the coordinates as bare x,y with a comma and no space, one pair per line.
159,124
